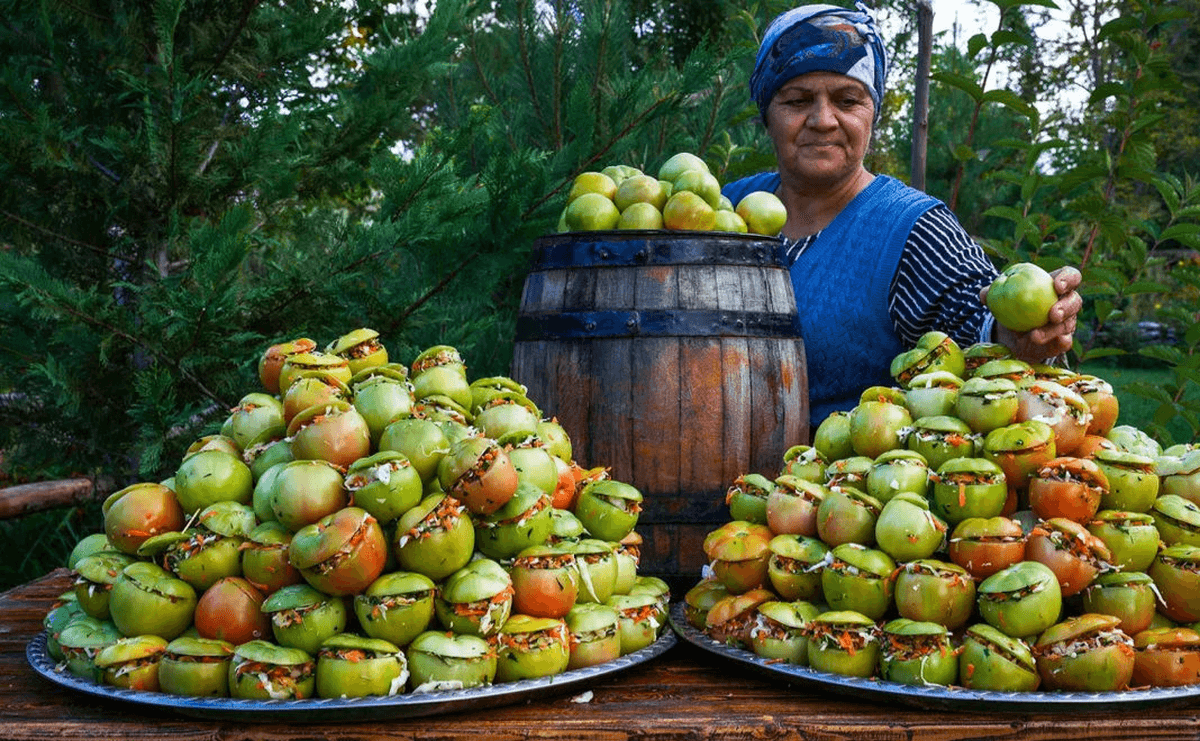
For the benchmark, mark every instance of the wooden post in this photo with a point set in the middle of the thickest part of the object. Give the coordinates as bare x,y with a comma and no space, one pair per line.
920,126
26,498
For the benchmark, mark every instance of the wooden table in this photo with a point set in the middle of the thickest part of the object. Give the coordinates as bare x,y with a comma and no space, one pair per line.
684,694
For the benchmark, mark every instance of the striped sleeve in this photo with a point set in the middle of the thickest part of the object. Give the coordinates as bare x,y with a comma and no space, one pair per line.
938,280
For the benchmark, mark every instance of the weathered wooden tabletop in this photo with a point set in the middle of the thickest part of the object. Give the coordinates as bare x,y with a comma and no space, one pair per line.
684,694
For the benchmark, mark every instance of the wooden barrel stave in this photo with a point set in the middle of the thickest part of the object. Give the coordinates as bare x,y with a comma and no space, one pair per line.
678,416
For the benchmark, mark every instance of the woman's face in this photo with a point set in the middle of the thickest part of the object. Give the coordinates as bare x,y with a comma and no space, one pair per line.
820,123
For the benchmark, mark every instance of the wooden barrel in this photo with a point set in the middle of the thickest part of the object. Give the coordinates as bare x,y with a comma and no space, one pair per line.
673,360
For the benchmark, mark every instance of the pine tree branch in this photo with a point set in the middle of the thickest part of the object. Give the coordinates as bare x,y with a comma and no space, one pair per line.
297,295
487,88
433,291
88,12
600,153
601,51
95,321
248,7
525,63
55,235
711,124
556,123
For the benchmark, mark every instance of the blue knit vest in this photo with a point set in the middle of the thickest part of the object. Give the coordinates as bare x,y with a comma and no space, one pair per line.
842,283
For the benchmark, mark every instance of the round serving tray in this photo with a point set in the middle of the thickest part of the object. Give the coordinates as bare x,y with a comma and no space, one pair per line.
357,709
935,697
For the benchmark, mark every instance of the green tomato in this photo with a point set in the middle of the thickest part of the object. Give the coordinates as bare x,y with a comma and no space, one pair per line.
438,659
196,667
353,666
1021,297
254,672
993,660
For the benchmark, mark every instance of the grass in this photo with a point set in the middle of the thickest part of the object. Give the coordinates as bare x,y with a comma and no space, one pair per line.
1136,410
40,542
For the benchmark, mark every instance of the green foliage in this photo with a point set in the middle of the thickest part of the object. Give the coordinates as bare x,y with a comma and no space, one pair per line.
188,181
41,541
1101,201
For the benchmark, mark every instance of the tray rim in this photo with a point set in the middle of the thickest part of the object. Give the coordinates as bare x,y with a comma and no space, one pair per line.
935,697
406,705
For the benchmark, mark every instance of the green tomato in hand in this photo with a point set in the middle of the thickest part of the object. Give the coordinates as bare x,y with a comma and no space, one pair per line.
1021,297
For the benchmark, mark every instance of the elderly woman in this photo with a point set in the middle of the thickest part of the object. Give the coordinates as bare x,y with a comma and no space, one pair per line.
874,263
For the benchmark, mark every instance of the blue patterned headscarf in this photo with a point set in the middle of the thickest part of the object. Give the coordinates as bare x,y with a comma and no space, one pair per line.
819,38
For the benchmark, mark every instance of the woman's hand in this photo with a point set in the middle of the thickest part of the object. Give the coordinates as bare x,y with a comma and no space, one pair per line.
1056,336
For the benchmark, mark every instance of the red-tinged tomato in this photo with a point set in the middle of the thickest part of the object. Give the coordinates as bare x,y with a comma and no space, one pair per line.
311,389
1074,555
792,506
731,618
847,515
1101,399
1092,443
273,358
1019,449
1067,487
342,553
1058,406
138,512
1166,657
231,610
545,581
335,432
1176,574
984,546
739,552
564,490
1127,596
478,472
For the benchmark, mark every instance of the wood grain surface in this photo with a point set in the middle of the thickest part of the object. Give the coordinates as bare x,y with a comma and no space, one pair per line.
679,411
686,694
23,499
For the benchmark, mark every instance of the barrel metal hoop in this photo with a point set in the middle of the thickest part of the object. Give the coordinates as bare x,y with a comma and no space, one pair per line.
569,325
584,252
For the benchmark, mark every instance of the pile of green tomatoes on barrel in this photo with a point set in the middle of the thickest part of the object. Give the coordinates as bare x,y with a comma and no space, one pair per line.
361,527
983,523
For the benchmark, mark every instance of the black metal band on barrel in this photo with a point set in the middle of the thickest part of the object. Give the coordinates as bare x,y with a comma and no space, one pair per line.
583,251
570,325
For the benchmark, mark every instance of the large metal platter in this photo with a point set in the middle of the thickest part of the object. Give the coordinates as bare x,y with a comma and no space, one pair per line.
936,697
358,709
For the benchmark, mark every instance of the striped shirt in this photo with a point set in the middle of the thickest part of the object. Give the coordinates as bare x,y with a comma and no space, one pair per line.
937,283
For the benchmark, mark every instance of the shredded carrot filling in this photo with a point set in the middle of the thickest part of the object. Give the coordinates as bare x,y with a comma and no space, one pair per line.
283,675
851,640
535,640
480,607
908,648
551,561
640,614
448,513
